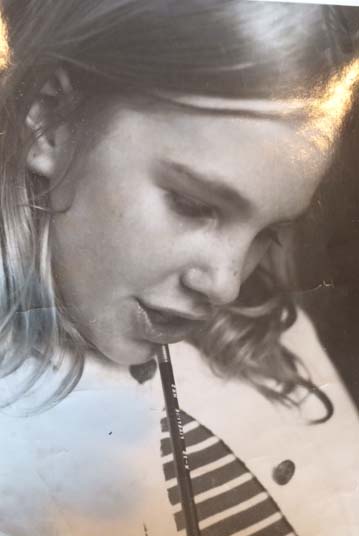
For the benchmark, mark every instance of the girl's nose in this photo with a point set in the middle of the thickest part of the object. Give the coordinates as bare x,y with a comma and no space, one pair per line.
218,283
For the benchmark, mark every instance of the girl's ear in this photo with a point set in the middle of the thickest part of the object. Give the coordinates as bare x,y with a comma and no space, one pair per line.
48,131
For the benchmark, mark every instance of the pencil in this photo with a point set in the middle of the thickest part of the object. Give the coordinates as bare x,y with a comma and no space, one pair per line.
178,443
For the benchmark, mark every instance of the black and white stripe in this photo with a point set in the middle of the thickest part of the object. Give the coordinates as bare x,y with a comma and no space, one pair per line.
230,500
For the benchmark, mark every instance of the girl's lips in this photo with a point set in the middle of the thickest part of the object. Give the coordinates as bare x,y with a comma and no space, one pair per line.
162,327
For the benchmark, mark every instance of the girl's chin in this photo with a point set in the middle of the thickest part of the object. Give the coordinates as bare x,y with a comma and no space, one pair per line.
127,353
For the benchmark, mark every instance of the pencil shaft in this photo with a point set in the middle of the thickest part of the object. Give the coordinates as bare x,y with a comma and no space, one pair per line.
178,443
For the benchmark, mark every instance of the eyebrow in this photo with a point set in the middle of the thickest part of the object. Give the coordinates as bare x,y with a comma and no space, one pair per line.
210,185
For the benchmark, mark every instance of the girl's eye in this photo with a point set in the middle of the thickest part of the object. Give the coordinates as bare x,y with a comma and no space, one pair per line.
190,207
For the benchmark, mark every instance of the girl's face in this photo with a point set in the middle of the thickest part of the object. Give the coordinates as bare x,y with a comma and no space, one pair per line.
170,212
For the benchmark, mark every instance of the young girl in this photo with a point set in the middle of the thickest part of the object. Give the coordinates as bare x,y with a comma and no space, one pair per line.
150,153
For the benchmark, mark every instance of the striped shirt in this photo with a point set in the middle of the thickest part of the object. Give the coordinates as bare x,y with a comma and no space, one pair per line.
230,500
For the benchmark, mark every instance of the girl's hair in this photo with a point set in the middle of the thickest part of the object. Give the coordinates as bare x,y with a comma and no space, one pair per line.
139,48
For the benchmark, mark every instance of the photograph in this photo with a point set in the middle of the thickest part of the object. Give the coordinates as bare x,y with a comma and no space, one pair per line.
179,268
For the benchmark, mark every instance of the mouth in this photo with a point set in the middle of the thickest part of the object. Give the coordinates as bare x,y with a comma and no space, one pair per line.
164,326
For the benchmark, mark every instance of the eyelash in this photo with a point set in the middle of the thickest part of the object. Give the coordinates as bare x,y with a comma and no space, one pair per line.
190,207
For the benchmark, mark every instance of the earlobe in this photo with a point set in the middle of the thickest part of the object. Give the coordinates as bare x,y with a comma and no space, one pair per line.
49,134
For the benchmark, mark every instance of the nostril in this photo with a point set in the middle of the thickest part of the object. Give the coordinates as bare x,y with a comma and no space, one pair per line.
218,284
